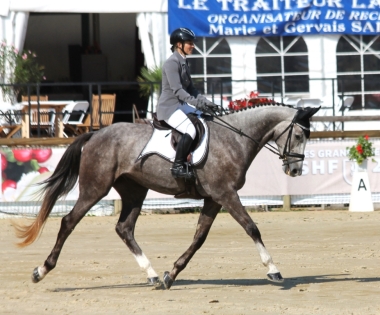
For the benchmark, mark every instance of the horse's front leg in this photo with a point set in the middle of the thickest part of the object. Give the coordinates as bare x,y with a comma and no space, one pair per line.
206,218
232,203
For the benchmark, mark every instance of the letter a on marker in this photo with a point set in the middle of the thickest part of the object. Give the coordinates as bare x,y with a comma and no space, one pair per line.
362,185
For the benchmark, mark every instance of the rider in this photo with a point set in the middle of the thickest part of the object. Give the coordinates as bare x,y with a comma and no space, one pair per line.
179,97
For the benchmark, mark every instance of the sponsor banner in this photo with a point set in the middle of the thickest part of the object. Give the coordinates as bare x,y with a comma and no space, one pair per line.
23,169
326,170
212,18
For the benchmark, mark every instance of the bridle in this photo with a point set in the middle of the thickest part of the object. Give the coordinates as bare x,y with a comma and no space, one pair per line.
286,152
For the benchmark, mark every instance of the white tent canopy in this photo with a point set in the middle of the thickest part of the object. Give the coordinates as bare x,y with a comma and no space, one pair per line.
151,20
109,6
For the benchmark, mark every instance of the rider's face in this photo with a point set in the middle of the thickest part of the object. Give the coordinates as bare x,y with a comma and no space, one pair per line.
188,47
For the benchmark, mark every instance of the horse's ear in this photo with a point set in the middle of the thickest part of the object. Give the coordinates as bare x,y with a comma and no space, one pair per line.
303,118
310,111
307,112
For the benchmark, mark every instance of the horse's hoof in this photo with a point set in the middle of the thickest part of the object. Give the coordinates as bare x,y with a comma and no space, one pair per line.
275,277
155,281
36,276
167,280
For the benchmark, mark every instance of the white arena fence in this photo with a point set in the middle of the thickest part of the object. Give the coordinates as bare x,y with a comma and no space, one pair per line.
326,180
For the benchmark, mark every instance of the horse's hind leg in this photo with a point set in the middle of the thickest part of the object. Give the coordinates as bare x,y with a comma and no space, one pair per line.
133,195
87,199
206,218
232,203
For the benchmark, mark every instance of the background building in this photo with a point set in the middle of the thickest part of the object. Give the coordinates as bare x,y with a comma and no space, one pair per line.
111,42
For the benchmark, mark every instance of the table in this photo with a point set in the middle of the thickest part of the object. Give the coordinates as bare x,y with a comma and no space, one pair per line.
58,106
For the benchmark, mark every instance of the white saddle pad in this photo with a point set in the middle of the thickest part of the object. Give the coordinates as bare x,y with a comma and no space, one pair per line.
159,144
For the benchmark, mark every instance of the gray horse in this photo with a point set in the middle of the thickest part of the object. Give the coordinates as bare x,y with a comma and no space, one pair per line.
108,158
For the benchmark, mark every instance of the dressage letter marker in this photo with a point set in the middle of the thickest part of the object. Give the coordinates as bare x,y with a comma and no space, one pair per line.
361,200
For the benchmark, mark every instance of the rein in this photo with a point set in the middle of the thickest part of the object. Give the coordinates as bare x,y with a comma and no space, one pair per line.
286,153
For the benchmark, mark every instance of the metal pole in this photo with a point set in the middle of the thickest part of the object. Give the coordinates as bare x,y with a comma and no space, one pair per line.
342,108
333,101
100,105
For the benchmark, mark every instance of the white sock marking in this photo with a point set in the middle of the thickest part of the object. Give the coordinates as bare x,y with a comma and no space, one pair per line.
42,272
266,258
145,265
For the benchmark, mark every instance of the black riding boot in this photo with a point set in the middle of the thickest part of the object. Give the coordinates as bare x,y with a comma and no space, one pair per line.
179,169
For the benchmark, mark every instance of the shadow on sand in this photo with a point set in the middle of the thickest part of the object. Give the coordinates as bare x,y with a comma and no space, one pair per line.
288,284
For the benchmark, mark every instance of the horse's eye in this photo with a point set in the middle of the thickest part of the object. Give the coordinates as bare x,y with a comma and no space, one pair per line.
298,137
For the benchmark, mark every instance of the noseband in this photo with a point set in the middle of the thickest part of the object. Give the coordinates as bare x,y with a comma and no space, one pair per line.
286,152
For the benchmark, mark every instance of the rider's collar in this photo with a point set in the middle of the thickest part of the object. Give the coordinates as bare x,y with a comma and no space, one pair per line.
183,56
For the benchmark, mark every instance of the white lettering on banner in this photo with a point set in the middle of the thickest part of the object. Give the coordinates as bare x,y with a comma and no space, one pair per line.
332,165
377,167
315,167
305,168
369,27
332,14
364,16
236,18
181,5
200,5
309,154
358,4
221,30
332,153
197,5
325,27
261,4
256,5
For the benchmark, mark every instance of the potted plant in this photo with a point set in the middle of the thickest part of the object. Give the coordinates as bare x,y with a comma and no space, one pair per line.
17,68
361,151
150,75
150,86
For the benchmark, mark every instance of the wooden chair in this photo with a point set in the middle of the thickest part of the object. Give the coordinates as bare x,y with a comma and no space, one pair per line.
47,120
47,116
102,120
24,98
9,124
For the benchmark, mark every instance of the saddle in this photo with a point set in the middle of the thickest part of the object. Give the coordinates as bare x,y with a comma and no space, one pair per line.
176,135
191,191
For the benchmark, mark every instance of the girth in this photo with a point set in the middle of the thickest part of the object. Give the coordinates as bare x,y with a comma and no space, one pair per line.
176,135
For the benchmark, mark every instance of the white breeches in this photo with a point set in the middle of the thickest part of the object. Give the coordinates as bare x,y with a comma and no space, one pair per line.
178,120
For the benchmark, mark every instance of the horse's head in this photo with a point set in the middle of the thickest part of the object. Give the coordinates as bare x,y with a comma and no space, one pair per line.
291,140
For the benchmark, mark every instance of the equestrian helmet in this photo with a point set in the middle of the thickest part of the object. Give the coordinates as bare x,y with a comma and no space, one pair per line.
181,35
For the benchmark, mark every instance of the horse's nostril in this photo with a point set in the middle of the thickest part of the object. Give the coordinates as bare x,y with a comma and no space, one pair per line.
294,172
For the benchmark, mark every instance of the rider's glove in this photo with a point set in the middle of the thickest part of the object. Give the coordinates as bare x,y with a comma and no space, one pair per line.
201,105
213,107
206,106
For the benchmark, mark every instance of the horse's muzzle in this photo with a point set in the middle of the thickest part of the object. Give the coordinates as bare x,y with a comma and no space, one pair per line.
292,171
